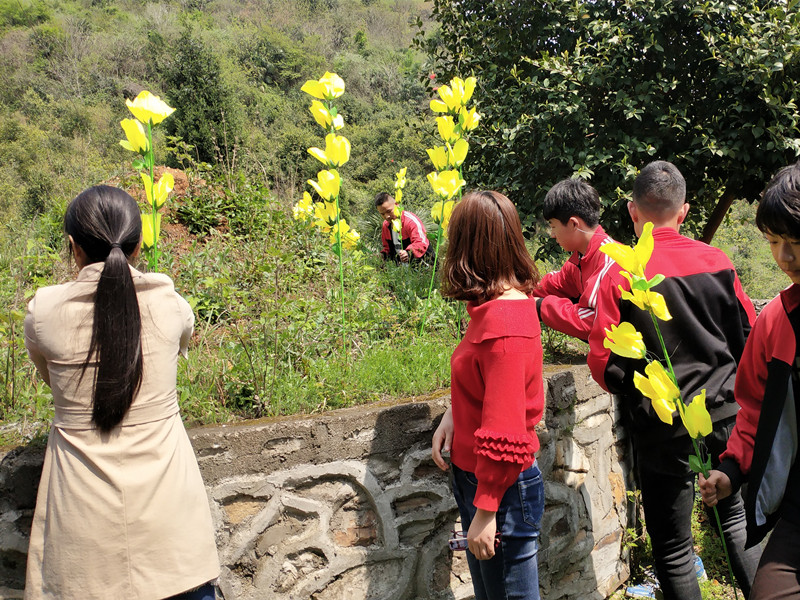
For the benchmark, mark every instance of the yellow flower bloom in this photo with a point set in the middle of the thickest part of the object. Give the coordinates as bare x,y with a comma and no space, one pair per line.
468,87
147,107
441,211
633,260
451,98
459,152
325,215
400,180
696,418
624,340
646,299
336,153
327,184
137,138
447,129
149,237
349,236
328,87
323,116
446,183
438,106
659,387
468,119
304,208
161,189
398,195
439,157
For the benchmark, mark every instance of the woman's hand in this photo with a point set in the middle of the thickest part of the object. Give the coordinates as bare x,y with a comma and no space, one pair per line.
480,537
442,439
717,487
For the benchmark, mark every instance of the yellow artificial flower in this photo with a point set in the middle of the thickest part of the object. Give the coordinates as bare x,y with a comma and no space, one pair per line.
633,260
304,208
439,157
350,240
349,236
325,215
148,236
336,153
445,184
451,98
161,189
137,138
398,196
447,129
467,88
696,418
659,387
624,340
323,116
468,119
328,87
646,299
327,184
438,106
459,152
400,180
441,211
147,107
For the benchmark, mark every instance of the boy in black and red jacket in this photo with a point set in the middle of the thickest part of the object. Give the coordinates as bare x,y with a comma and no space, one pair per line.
568,297
711,318
763,446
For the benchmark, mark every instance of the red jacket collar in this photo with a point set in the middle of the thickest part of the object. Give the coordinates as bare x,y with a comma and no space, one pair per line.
501,318
791,297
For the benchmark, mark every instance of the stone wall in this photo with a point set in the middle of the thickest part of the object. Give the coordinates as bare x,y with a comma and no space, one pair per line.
349,505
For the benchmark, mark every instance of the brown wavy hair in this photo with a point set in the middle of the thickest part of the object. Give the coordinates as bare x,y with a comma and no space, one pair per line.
486,252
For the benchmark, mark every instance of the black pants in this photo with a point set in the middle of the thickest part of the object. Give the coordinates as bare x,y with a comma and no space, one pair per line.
778,576
667,485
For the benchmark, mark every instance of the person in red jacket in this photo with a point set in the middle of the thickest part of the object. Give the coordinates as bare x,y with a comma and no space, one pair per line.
568,297
497,397
763,446
711,318
412,240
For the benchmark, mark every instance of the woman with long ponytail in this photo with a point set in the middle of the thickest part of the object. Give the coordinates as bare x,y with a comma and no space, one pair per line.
121,510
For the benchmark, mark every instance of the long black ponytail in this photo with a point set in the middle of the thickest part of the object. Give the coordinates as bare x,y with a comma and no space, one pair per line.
105,222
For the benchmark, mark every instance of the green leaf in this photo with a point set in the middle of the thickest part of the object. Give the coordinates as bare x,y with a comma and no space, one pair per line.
695,464
655,280
138,163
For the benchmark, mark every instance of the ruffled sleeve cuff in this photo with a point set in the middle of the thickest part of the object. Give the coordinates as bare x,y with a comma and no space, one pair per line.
504,447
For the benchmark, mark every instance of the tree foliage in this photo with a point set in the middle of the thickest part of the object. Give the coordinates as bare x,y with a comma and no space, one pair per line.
597,89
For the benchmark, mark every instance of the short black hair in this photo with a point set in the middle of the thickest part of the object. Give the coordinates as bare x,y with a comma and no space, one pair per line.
779,209
659,189
383,198
572,198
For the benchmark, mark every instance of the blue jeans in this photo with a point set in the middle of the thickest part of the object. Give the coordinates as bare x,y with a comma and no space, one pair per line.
204,592
513,572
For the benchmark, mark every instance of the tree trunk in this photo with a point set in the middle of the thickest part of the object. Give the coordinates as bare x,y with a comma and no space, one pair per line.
715,220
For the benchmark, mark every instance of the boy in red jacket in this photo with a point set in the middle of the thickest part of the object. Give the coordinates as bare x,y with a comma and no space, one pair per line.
568,297
412,240
711,318
763,446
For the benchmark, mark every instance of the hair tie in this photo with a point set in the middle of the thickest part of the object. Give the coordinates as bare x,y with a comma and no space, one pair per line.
116,245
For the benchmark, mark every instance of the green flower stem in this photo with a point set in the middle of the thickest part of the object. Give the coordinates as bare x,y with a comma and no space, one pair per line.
433,274
153,258
681,410
341,280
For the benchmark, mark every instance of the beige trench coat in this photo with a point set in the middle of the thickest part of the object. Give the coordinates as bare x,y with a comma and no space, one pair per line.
123,514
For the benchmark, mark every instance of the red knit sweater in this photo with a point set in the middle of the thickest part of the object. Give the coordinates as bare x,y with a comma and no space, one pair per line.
497,395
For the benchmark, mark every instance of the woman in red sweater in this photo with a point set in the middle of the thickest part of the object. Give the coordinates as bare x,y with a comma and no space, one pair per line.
497,397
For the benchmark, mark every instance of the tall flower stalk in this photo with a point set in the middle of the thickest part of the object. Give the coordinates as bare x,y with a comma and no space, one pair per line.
148,110
659,383
399,184
447,180
327,214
